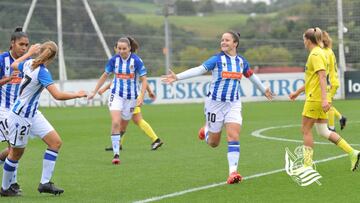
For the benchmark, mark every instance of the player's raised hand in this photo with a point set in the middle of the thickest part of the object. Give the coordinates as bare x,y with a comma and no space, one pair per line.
34,49
169,78
268,94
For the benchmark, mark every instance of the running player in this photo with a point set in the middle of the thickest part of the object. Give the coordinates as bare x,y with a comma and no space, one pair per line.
223,103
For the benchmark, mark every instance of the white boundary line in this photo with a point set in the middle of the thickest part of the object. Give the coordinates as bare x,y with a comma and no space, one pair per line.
258,134
224,183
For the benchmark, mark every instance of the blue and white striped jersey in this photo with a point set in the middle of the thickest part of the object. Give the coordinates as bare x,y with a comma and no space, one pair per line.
9,91
126,75
226,74
31,86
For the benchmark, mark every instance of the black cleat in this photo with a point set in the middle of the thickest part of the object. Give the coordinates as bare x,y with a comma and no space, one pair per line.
16,187
332,129
110,148
9,193
342,122
156,144
49,188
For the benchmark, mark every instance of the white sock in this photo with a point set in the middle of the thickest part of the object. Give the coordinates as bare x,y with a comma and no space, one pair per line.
233,155
14,179
115,140
48,165
8,173
206,131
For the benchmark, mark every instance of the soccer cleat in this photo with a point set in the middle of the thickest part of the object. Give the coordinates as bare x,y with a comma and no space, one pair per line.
110,148
355,159
234,177
116,160
342,122
50,188
16,187
156,144
201,133
9,192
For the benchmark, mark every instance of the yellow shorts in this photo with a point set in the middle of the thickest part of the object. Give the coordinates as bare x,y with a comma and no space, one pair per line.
137,110
313,109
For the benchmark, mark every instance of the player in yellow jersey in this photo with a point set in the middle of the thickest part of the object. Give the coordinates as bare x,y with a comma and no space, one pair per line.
316,103
139,121
334,83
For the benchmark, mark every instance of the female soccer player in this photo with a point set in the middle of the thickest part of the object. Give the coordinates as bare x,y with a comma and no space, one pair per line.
223,104
128,69
9,87
316,103
139,121
334,83
24,118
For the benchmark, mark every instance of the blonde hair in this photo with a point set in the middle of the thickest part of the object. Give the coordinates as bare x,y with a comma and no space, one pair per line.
48,51
315,36
326,40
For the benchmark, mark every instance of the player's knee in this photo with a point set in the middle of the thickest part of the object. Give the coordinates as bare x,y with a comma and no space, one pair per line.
322,130
56,145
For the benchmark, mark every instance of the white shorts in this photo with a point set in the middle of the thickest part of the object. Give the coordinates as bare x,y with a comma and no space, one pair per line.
21,128
126,106
4,130
217,113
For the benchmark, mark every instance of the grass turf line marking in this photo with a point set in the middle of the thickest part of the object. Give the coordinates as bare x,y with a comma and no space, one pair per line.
258,134
224,183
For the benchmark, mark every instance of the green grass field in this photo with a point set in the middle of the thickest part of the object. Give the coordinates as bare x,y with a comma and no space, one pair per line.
85,171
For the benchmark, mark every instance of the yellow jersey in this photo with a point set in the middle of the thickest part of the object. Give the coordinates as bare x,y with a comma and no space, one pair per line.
333,77
316,61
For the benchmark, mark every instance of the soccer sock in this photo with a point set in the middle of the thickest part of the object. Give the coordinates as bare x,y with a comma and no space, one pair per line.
308,156
14,179
331,118
8,173
336,112
115,140
206,131
233,155
344,146
147,129
48,165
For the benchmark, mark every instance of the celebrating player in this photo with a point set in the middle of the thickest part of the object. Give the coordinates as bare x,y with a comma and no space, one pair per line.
24,118
223,104
128,69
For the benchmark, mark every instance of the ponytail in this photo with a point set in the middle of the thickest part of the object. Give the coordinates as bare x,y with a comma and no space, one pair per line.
326,40
131,42
48,52
315,36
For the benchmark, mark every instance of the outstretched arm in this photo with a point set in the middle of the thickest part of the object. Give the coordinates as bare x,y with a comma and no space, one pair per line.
266,91
100,82
59,95
172,77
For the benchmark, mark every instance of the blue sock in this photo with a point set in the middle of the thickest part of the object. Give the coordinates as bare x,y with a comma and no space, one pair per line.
233,155
48,165
8,173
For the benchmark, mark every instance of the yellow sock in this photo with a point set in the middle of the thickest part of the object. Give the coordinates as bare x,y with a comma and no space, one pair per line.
345,146
336,112
331,118
308,156
147,129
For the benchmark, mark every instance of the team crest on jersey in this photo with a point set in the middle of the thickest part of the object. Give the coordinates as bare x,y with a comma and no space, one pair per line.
131,67
7,67
224,65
